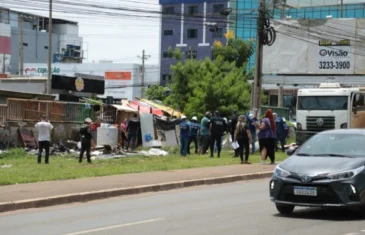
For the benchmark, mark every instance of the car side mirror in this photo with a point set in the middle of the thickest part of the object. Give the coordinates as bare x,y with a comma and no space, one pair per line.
290,151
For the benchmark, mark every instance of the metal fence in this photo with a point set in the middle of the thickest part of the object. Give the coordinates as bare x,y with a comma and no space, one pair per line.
55,111
2,114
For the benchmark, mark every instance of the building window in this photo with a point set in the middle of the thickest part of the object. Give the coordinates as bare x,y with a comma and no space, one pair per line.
218,34
193,10
217,8
192,33
168,10
168,32
45,47
167,55
166,77
25,44
191,54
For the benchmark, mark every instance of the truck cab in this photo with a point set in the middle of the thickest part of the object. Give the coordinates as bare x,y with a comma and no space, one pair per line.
328,107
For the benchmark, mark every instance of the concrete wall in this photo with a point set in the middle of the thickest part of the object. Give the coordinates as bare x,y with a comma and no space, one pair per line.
61,131
36,86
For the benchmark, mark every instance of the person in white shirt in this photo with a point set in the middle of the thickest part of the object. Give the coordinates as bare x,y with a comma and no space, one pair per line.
44,138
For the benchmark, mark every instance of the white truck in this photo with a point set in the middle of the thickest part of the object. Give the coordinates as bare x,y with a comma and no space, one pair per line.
328,107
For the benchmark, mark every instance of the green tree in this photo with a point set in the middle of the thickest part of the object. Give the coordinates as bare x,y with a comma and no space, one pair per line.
219,84
236,50
156,93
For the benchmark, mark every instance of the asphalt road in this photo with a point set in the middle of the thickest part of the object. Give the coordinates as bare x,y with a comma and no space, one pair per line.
240,208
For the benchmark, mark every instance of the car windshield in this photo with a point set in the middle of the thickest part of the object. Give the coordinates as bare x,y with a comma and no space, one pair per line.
322,103
334,144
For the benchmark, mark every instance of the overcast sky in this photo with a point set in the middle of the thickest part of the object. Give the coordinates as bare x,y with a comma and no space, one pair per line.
121,38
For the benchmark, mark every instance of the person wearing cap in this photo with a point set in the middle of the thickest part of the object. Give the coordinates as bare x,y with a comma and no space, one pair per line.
280,132
194,132
286,129
44,138
217,128
184,136
132,129
85,135
204,133
251,120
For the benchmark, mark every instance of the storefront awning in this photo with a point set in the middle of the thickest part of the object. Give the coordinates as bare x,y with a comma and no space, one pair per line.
164,108
125,108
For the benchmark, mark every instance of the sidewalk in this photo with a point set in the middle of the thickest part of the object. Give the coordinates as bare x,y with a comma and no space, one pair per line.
177,179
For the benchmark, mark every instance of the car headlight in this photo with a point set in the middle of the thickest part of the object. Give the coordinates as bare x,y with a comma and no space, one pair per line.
281,173
345,175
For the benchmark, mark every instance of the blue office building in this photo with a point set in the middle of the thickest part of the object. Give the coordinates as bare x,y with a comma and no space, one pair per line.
186,24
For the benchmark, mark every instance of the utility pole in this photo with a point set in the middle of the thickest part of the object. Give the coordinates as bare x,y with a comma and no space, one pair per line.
341,8
49,79
281,88
21,46
144,58
256,104
4,64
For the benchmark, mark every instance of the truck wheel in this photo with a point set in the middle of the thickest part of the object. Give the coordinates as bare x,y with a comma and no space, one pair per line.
284,209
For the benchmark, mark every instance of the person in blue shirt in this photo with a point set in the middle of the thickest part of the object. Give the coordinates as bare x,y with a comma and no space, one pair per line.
280,132
184,136
194,132
251,119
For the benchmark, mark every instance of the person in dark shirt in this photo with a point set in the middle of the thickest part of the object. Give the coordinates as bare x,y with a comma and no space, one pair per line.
280,132
243,137
85,135
251,119
194,132
132,129
232,129
184,136
217,128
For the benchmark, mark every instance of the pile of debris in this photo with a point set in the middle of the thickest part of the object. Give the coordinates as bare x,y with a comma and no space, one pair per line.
72,148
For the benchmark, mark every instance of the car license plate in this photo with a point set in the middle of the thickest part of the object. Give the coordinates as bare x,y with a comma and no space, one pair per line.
305,191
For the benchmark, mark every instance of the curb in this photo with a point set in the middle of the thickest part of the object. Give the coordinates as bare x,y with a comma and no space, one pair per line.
116,192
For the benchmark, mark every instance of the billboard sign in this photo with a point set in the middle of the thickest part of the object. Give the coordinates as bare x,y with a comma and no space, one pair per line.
118,76
40,71
324,46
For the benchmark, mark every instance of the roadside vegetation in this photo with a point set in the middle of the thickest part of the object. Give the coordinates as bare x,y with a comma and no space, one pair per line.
22,167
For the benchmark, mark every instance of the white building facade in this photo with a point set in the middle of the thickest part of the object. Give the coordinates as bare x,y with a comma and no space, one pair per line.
122,81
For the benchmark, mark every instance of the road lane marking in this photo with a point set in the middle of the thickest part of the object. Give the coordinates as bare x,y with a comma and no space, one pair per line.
115,226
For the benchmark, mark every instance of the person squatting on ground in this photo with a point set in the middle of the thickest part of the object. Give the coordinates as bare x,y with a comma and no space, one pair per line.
132,130
232,129
194,132
184,136
242,135
217,128
267,136
204,133
44,138
85,135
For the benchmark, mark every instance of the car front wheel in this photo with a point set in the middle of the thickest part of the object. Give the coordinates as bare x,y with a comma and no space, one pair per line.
284,209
